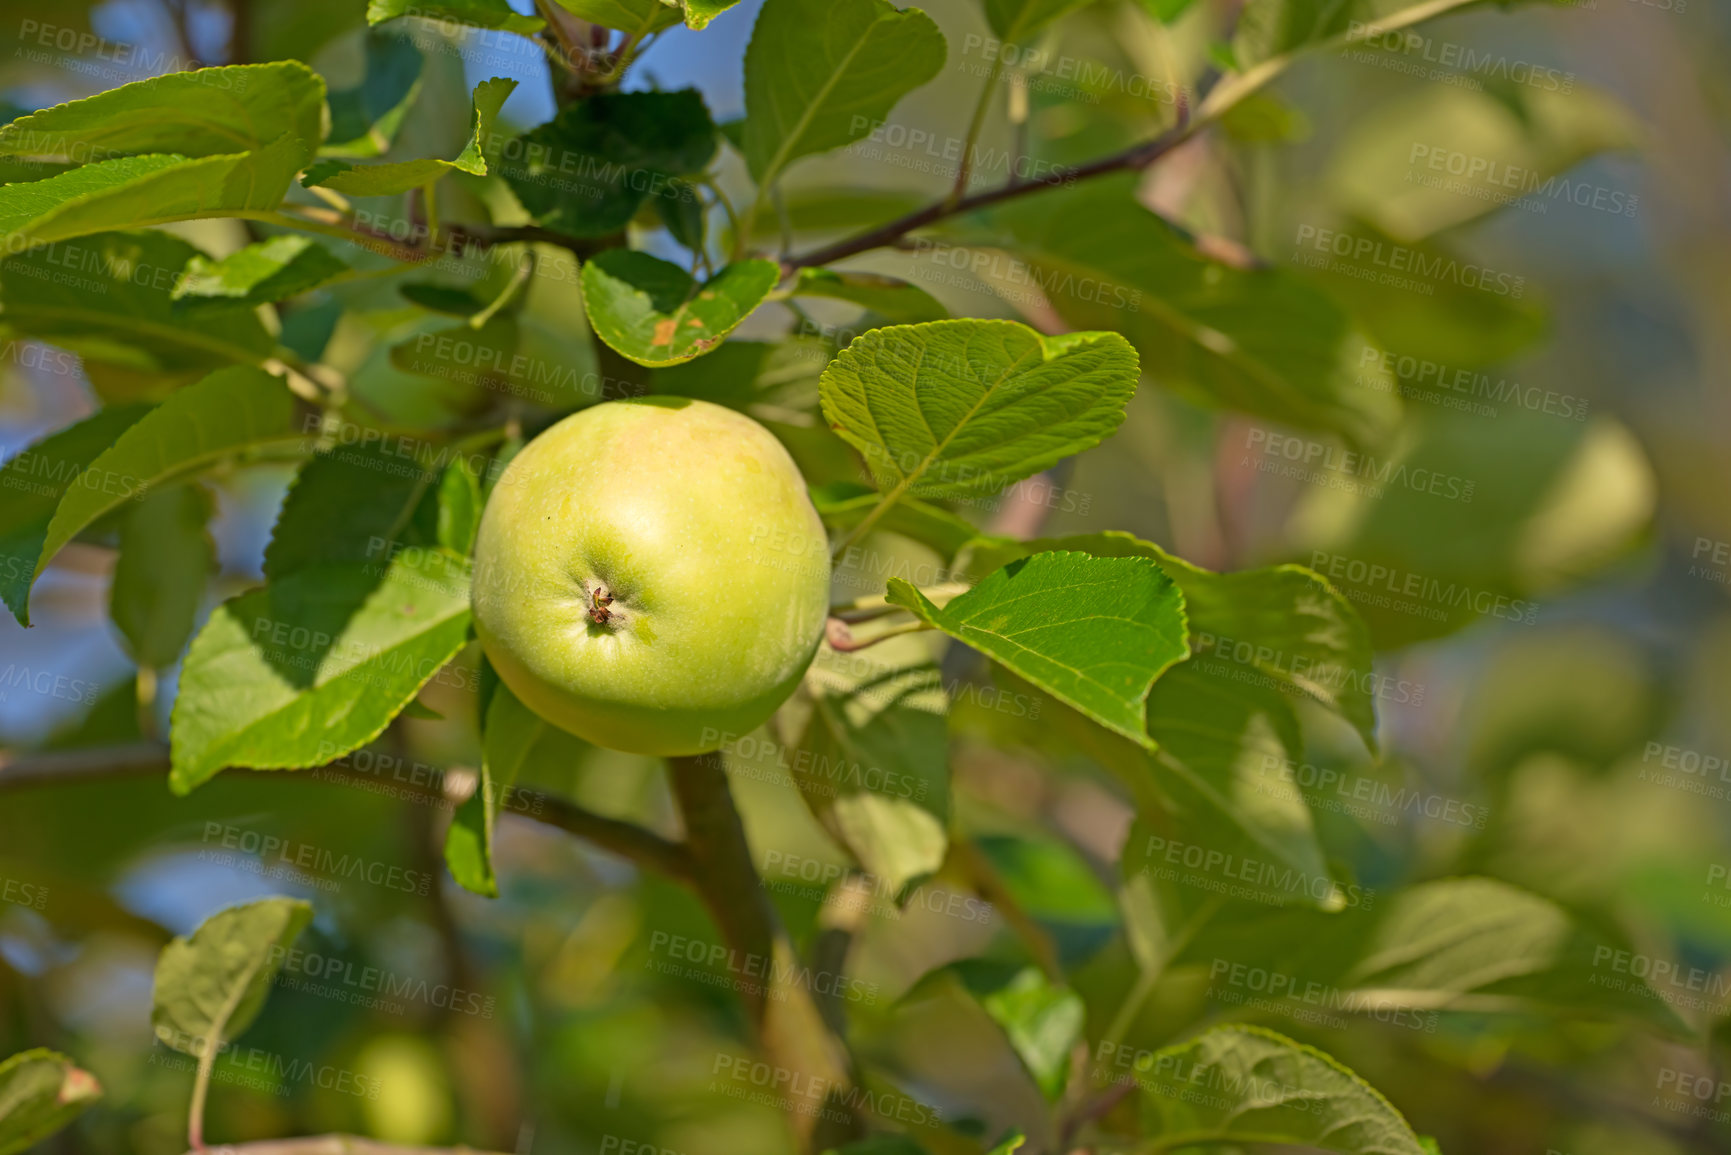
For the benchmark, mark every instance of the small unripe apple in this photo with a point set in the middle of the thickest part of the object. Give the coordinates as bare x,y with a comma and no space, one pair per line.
651,576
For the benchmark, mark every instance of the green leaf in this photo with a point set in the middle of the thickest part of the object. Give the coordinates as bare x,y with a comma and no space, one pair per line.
517,356
34,482
119,314
211,986
1441,155
636,18
1047,880
1094,632
1042,1020
1166,11
698,13
352,503
1260,639
1260,340
586,172
1009,1145
365,118
316,664
1275,28
230,412
209,112
1282,627
377,180
890,297
40,1093
284,266
821,73
1473,945
459,507
844,504
511,731
655,313
960,408
874,765
137,191
477,13
1265,1088
1016,21
166,558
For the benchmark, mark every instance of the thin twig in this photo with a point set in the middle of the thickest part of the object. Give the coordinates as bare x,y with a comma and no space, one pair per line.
20,771
330,1145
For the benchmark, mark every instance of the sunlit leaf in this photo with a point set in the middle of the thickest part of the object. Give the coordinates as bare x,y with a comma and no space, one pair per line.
211,986
1094,632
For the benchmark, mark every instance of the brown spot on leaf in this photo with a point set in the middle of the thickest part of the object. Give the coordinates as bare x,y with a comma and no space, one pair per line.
664,330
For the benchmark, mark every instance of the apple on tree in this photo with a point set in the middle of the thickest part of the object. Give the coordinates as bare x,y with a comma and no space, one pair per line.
650,575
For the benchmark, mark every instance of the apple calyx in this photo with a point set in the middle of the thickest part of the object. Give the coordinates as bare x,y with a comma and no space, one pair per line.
599,599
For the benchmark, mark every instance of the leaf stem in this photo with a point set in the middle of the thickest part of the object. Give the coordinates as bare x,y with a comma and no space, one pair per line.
964,167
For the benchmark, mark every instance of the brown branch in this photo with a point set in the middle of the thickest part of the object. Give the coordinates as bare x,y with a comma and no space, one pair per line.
330,1145
809,1057
20,771
1129,160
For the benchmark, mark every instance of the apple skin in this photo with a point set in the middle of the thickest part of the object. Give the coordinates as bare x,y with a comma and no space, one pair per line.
696,522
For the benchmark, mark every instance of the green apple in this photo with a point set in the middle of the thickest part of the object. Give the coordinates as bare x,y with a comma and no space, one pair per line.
651,576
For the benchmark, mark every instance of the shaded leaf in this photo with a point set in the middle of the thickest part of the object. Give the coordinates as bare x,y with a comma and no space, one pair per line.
231,411
1260,340
890,297
477,13
40,1093
820,73
166,559
281,267
509,735
1265,1088
211,986
119,313
34,483
365,118
389,179
586,172
1017,20
874,763
1042,1020
843,504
